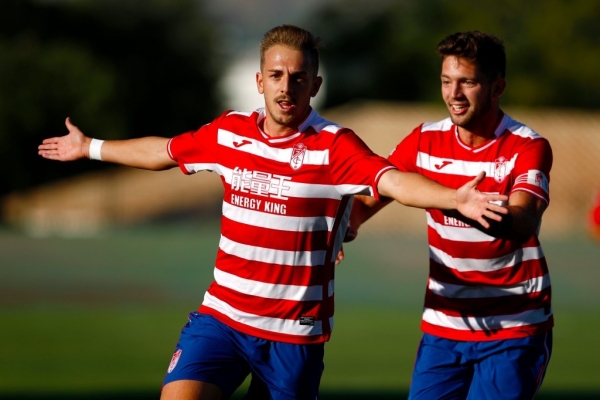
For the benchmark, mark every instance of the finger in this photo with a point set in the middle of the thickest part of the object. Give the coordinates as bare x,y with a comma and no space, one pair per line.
496,197
496,208
483,222
50,140
47,146
492,216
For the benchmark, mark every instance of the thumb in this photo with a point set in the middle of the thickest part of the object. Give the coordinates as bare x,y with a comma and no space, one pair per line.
478,179
69,125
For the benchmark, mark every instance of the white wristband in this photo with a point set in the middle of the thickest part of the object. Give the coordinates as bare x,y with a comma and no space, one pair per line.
95,146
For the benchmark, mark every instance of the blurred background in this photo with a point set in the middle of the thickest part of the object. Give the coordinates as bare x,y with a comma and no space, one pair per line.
99,265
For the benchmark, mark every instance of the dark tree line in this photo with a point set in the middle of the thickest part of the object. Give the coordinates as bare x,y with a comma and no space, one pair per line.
389,52
119,69
127,68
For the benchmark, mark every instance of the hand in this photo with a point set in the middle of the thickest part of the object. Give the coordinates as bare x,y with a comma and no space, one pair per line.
73,146
475,205
351,234
340,256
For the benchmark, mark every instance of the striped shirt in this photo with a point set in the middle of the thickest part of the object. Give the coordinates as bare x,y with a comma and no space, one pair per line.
482,287
285,210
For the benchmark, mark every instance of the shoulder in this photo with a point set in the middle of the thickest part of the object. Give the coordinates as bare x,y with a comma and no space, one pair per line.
318,124
240,116
444,125
523,135
518,128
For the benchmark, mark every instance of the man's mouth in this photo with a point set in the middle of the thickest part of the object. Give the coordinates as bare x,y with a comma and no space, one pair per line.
285,104
459,108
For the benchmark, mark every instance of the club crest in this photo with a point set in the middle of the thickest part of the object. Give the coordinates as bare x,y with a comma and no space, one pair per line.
298,152
174,360
500,169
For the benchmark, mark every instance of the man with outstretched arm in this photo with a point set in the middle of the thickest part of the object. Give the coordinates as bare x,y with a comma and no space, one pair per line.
289,176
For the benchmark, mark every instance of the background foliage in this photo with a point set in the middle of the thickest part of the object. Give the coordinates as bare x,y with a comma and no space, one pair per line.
140,67
122,68
551,48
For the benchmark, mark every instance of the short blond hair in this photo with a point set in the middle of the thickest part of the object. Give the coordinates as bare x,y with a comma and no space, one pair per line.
295,38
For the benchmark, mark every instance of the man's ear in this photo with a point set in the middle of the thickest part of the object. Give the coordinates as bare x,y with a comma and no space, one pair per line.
498,87
316,86
259,83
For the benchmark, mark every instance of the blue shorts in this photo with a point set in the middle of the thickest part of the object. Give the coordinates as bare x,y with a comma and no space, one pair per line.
212,352
499,369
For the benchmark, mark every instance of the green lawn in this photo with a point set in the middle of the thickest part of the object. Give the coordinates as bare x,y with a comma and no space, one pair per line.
97,317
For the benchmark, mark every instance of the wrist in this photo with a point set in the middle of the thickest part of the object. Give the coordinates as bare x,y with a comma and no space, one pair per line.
95,149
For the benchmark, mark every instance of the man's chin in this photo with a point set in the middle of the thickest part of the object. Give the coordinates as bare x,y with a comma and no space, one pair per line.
290,121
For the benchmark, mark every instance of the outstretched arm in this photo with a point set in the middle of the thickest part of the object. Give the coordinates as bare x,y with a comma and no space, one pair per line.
414,190
145,153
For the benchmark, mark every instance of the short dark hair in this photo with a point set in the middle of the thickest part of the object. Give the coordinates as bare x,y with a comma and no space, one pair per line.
295,38
483,49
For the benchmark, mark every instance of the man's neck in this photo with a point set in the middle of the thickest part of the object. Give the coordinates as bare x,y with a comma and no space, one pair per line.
482,133
275,129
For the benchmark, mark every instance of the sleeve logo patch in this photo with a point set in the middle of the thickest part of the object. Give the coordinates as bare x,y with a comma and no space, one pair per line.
537,178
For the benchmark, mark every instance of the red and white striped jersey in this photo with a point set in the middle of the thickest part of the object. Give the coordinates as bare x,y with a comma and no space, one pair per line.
285,210
481,287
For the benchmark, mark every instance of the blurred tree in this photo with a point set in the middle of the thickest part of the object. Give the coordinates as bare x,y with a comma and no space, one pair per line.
387,50
118,69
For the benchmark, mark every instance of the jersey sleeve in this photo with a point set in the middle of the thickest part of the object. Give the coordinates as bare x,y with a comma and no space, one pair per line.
404,155
532,169
196,151
355,169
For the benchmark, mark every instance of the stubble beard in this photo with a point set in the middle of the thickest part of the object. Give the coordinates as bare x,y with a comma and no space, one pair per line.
474,116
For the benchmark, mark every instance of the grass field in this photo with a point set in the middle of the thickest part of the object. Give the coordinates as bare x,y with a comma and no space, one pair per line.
99,317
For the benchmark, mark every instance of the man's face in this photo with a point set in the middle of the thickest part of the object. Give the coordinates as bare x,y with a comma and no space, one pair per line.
287,82
468,94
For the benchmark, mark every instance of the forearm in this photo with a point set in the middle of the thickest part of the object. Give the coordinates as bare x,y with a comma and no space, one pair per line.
145,153
522,220
363,208
518,225
414,190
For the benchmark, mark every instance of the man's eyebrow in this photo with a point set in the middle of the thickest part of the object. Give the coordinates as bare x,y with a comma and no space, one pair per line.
302,71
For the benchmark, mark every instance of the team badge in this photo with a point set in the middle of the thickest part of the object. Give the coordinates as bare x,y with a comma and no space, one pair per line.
500,169
538,178
174,360
298,153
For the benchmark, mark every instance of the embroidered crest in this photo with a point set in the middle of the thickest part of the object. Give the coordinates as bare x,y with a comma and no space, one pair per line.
500,169
174,360
298,153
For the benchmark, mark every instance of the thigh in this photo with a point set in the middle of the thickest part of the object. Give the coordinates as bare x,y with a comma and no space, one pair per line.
512,369
284,371
440,371
207,351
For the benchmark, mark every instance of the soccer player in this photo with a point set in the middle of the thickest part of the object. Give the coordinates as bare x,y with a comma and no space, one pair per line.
289,176
487,317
